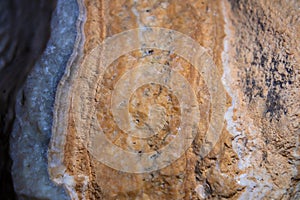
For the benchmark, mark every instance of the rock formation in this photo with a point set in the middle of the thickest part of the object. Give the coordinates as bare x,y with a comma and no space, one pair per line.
24,32
233,63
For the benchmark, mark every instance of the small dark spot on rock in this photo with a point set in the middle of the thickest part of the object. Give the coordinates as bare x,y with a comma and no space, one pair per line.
150,51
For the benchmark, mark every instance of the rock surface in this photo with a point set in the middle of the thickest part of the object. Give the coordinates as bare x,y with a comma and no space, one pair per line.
262,58
34,110
24,33
253,44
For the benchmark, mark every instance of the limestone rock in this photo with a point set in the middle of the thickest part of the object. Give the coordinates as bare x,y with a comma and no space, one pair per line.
251,54
263,79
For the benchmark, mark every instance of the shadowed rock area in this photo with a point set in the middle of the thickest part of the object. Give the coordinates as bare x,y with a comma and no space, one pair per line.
24,32
34,108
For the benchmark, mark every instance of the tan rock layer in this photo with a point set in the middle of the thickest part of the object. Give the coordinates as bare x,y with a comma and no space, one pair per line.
201,21
184,179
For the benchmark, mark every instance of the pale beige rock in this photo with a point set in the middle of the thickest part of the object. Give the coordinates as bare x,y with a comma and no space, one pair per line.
261,60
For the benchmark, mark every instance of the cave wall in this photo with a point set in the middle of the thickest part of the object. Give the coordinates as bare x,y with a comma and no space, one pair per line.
255,48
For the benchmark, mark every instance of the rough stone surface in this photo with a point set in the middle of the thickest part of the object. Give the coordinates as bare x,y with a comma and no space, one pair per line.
80,172
254,44
32,129
262,57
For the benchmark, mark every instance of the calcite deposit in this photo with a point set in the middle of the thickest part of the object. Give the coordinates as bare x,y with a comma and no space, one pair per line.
163,99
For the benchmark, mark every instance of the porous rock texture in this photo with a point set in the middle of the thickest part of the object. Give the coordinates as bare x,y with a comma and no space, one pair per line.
254,45
262,56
